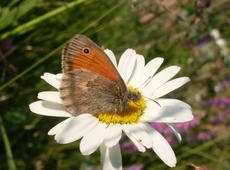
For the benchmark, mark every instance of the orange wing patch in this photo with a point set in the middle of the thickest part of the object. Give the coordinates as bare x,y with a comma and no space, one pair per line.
82,53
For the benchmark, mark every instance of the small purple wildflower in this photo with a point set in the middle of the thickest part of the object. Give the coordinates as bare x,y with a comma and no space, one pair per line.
135,167
184,127
129,146
202,136
204,40
224,84
221,117
205,136
217,102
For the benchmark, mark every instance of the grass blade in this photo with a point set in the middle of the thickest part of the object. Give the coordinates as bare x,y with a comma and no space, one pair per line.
9,154
30,25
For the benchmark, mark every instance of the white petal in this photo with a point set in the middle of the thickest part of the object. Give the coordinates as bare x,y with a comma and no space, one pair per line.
161,147
127,64
51,96
169,111
137,131
111,56
159,79
169,102
149,70
91,141
175,131
138,71
111,157
59,126
169,86
76,128
137,143
46,108
112,135
51,79
59,76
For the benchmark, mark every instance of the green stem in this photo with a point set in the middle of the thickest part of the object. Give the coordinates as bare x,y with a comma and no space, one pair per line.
189,151
10,159
40,19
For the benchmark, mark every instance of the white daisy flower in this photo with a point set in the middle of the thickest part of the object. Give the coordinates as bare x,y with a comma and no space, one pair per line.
105,131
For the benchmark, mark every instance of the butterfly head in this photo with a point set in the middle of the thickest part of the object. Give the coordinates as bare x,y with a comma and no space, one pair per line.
133,95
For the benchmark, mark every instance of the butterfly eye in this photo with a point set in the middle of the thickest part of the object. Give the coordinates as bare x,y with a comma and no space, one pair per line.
86,50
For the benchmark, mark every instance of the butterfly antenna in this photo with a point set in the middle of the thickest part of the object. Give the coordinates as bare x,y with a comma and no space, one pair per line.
153,101
145,82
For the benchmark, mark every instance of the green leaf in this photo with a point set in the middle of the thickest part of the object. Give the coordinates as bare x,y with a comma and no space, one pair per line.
12,15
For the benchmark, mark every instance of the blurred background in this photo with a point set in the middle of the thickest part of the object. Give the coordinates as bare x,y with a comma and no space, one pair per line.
193,34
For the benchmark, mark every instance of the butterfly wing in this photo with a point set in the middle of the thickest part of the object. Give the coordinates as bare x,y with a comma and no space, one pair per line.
83,53
90,83
83,91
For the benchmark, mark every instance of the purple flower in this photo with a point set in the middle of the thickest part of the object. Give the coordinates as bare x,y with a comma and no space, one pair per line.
221,117
204,40
202,136
129,146
217,102
205,136
184,127
161,127
135,167
222,85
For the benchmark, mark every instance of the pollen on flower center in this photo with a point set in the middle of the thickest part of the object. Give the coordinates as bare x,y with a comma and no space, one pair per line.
130,115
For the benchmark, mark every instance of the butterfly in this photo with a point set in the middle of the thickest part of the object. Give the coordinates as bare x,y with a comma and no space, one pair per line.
91,83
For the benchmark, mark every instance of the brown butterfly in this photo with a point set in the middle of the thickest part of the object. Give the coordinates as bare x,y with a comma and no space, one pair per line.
91,83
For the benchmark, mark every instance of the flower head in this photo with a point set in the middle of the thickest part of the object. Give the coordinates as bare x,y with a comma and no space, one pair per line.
105,129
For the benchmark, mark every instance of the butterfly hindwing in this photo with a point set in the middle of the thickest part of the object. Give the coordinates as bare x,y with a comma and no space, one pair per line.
83,91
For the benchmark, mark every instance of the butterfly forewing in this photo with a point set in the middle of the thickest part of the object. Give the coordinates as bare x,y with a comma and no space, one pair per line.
82,53
90,83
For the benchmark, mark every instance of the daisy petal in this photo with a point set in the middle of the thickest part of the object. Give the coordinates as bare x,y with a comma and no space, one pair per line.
111,56
137,131
59,126
168,111
91,141
46,108
112,135
175,131
160,78
51,79
150,69
51,96
111,157
76,128
169,86
161,147
59,76
127,64
169,102
139,146
138,71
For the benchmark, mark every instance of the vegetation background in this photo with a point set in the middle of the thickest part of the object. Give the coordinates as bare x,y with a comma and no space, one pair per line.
33,32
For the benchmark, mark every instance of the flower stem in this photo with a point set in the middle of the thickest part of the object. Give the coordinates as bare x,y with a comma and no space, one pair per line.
9,154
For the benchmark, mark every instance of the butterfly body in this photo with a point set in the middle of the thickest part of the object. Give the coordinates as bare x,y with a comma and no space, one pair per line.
91,83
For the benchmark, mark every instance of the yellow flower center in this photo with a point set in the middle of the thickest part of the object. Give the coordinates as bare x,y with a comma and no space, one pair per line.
131,114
